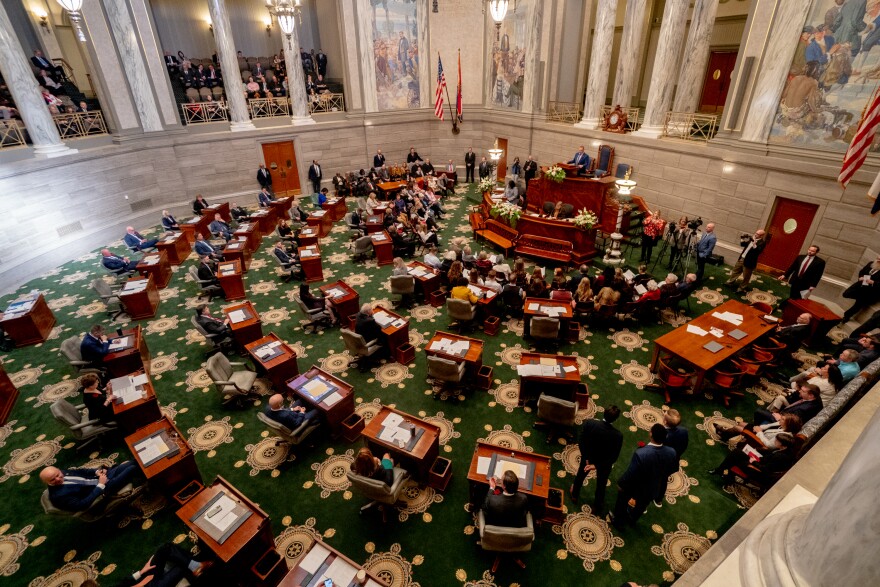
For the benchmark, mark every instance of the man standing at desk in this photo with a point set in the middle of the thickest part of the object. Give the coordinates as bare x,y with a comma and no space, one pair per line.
137,242
582,160
649,468
599,445
506,508
95,346
804,273
470,161
366,325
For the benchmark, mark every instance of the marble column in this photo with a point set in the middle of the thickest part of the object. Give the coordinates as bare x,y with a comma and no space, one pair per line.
793,548
17,73
427,84
532,78
662,76
600,65
238,110
695,57
367,58
296,83
786,28
629,56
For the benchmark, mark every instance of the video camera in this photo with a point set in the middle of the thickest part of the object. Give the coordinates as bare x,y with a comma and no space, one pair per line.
695,223
744,239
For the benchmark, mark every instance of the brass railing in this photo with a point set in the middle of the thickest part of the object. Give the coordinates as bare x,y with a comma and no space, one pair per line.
328,103
197,112
565,112
266,107
690,126
80,124
68,70
10,134
632,117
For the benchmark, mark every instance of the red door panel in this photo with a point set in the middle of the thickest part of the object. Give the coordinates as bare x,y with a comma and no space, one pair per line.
717,81
789,225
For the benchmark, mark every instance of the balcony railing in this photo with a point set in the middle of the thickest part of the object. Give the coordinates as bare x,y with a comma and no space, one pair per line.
80,124
10,134
690,126
327,103
198,112
266,107
569,112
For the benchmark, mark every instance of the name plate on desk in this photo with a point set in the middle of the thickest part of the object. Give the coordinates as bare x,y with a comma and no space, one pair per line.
221,517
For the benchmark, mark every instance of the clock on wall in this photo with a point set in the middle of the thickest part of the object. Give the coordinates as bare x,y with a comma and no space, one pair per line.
615,121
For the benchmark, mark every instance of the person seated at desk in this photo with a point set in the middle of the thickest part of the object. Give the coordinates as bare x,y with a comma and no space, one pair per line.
399,267
651,295
204,248
432,260
582,160
95,346
285,232
322,196
200,204
297,214
366,325
511,194
372,201
206,271
117,264
99,402
219,227
75,490
455,272
461,291
492,282
168,566
213,326
505,506
169,223
583,295
474,277
366,465
313,302
289,261
238,213
265,197
136,241
292,417
537,286
558,290
804,403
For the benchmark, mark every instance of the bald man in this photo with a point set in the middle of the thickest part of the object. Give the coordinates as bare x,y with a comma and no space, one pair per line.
115,263
136,241
705,246
753,246
75,490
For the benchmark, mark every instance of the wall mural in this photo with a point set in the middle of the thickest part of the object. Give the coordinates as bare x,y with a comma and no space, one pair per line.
834,71
507,58
396,51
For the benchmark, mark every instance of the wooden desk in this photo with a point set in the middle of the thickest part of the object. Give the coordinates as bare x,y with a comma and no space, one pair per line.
322,220
310,261
417,461
8,395
169,473
137,414
563,386
395,336
689,347
278,369
823,318
196,224
135,357
251,233
249,329
473,357
335,207
229,274
427,279
383,247
346,304
265,219
245,545
335,413
140,302
375,223
309,236
529,311
156,264
176,247
221,209
240,251
281,206
388,189
298,576
31,326
486,304
540,481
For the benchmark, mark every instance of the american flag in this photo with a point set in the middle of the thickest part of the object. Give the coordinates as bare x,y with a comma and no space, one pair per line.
458,92
441,85
858,149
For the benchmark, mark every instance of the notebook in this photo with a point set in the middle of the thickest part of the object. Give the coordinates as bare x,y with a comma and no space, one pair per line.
713,347
738,334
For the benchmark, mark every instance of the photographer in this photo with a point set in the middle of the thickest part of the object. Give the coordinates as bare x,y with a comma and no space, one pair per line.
705,246
752,246
680,240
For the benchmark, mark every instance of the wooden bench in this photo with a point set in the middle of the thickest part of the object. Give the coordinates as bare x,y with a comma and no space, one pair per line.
500,235
546,249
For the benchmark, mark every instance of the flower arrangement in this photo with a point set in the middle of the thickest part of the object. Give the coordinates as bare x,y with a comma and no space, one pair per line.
506,211
487,185
585,219
555,173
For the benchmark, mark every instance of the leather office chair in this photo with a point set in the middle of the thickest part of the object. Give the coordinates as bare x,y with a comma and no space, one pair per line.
288,436
206,287
555,414
503,539
377,491
363,248
234,386
101,508
84,429
448,374
70,349
211,338
354,230
762,307
405,287
545,331
109,298
317,317
622,170
461,312
360,348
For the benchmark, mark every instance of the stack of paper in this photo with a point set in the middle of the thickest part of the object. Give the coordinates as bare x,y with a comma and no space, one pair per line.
319,213
237,316
569,368
267,349
735,319
134,286
316,387
335,292
223,517
378,237
227,269
528,370
129,389
534,307
449,346
552,310
383,319
550,371
120,343
152,448
696,330
417,271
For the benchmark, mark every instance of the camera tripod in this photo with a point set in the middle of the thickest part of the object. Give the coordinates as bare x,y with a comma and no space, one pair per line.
668,240
687,252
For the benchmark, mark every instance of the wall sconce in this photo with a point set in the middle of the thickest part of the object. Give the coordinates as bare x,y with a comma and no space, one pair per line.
269,27
435,7
44,21
210,24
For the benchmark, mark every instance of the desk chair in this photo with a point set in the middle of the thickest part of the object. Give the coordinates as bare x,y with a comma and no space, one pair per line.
545,331
672,380
101,508
363,248
359,348
727,378
447,374
288,436
555,414
461,312
216,340
377,491
513,301
288,270
206,286
762,307
110,299
602,162
70,348
354,230
84,429
317,317
503,539
405,287
235,387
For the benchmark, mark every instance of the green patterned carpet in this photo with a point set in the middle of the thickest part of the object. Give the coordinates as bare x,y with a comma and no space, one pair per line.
432,542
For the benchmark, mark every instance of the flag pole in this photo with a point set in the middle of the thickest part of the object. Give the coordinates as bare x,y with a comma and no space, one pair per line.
449,103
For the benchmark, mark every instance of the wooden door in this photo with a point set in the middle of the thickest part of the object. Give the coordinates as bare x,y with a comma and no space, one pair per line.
502,163
789,224
717,81
280,160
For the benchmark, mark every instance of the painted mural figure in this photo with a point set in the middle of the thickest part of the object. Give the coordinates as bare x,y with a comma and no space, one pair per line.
395,53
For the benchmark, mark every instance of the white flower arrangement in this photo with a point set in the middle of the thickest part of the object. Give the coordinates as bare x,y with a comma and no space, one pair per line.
585,219
555,173
508,211
486,185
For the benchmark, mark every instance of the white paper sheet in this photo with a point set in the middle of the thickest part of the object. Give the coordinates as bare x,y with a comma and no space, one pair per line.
534,307
119,343
483,465
392,420
313,560
236,316
332,399
341,571
139,379
519,469
130,395
528,370
696,330
226,516
569,368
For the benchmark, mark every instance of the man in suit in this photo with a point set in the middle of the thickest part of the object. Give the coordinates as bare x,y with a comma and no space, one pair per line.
804,273
292,417
748,260
705,246
868,348
485,169
264,177
75,490
40,62
169,223
794,334
94,346
219,226
507,507
265,197
212,77
382,174
427,168
648,469
213,326
206,249
582,160
677,440
115,263
804,402
321,62
289,261
865,291
599,445
258,70
530,170
137,242
378,159
366,325
470,161
206,272
171,63
315,176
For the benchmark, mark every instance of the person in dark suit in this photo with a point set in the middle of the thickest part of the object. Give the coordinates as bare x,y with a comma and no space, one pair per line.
470,162
205,249
206,272
804,402
171,63
865,291
200,204
378,159
794,334
258,70
748,259
582,160
265,197
427,167
98,401
75,490
218,226
677,440
238,213
292,417
264,177
213,326
599,444
804,273
212,77
115,263
485,168
94,346
530,170
136,241
289,262
169,223
321,62
315,176
648,469
508,507
365,325
166,568
40,62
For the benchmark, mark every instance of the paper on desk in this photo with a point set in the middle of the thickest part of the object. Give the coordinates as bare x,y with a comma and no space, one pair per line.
392,420
387,434
501,465
549,370
696,330
335,292
534,307
226,516
129,395
139,379
378,237
332,399
313,560
383,319
548,361
528,370
315,387
716,332
236,316
475,290
398,323
119,343
569,368
483,465
151,448
341,571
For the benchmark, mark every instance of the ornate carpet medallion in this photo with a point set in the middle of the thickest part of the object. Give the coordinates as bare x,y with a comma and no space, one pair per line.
330,473
507,438
193,336
506,395
162,325
89,310
7,429
144,507
23,461
28,375
712,297
170,410
682,548
257,264
12,546
634,373
809,360
73,277
644,415
588,537
585,366
679,485
590,411
263,287
357,279
169,293
295,541
210,435
265,456
416,339
162,364
766,391
757,295
422,313
627,339
510,355
392,568
414,500
336,363
367,410
71,574
197,380
571,461
63,389
710,423
447,427
275,316
337,258
744,495
62,302
516,326
391,374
